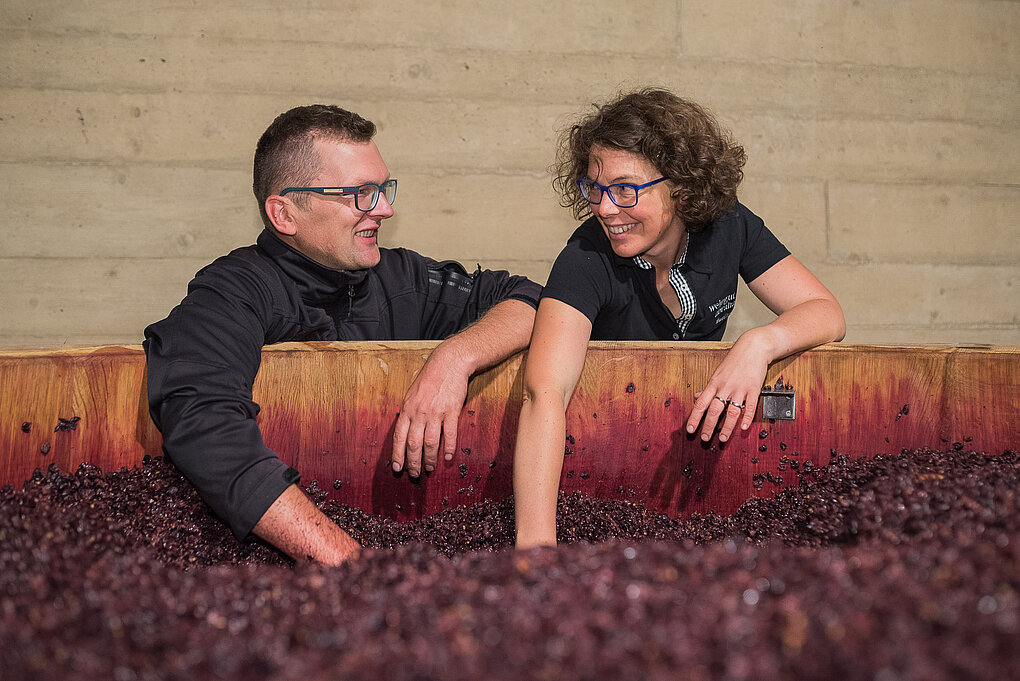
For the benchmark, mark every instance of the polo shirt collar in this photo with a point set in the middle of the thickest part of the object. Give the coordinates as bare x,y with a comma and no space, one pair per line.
694,258
698,258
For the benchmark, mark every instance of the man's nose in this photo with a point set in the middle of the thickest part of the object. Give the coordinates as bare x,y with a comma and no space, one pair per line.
383,208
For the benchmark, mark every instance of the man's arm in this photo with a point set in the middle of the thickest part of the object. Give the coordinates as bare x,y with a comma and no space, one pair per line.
201,363
294,525
432,405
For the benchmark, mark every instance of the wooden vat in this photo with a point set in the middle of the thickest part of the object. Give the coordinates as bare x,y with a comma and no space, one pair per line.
328,409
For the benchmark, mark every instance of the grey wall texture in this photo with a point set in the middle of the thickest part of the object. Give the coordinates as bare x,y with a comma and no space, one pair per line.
882,140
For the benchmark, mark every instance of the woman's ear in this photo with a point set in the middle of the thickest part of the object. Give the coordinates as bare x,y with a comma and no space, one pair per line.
679,196
280,212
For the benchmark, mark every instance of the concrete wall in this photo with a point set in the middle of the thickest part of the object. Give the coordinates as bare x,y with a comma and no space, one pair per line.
882,139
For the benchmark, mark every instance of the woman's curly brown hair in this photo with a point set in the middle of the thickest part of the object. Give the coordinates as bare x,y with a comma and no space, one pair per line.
681,139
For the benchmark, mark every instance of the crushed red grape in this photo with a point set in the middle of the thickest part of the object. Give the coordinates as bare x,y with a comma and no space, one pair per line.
902,567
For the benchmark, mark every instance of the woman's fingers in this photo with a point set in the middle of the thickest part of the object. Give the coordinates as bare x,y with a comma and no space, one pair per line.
713,411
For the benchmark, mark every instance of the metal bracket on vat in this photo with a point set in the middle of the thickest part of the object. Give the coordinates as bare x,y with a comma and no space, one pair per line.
779,401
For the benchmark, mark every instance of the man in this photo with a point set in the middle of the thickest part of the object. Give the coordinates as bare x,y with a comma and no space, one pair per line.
317,273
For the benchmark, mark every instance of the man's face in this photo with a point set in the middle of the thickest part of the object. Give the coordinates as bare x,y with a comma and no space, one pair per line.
331,230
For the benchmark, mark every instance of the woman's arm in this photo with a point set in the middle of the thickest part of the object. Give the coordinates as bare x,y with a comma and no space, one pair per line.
808,316
558,347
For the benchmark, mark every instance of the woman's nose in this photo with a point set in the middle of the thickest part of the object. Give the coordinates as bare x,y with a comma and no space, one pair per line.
606,206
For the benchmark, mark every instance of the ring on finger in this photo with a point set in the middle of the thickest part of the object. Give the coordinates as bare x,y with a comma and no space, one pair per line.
724,401
738,405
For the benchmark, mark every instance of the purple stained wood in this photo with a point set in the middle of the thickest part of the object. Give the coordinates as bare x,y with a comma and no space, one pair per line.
328,409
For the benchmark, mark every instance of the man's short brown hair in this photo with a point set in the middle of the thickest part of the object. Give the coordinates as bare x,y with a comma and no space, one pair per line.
285,155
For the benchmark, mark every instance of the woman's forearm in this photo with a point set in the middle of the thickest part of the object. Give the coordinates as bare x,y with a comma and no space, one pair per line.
538,463
808,314
555,359
803,326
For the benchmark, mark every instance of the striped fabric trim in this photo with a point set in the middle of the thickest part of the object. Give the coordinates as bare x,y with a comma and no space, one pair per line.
688,304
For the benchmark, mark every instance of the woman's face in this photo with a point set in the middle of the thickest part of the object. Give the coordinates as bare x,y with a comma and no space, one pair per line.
651,228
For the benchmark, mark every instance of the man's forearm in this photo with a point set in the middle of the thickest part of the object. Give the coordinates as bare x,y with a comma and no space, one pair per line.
499,333
297,527
432,405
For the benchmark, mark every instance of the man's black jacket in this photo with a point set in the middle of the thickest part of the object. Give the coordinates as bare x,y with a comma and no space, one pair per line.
203,358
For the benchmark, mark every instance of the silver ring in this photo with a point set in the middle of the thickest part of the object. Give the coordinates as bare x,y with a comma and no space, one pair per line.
737,405
722,400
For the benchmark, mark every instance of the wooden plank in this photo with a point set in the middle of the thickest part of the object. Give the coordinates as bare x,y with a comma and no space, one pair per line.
982,400
152,217
138,63
926,218
101,386
938,34
978,295
53,125
59,297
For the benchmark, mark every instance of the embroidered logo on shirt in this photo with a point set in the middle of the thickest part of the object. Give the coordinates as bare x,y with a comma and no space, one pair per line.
722,308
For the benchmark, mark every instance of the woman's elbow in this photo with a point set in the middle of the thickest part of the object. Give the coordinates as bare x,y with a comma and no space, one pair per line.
545,390
536,396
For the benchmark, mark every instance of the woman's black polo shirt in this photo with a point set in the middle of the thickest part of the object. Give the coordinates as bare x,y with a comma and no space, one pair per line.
620,298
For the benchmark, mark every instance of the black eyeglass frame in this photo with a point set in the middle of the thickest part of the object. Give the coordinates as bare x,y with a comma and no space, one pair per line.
387,188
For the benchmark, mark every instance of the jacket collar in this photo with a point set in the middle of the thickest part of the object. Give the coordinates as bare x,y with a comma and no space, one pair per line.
314,281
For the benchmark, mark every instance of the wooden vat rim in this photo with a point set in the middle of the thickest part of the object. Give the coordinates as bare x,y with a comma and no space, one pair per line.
412,345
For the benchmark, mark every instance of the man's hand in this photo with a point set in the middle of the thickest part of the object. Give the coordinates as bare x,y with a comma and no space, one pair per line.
431,412
432,405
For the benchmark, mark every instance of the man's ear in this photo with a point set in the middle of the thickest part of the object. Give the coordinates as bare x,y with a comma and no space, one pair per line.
280,212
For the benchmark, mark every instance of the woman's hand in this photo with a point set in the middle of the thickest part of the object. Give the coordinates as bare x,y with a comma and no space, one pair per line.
731,396
808,316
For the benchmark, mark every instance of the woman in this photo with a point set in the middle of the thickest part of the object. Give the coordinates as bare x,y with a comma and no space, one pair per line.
657,260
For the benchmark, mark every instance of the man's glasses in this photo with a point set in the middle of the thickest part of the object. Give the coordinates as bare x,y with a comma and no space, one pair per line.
624,194
366,196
